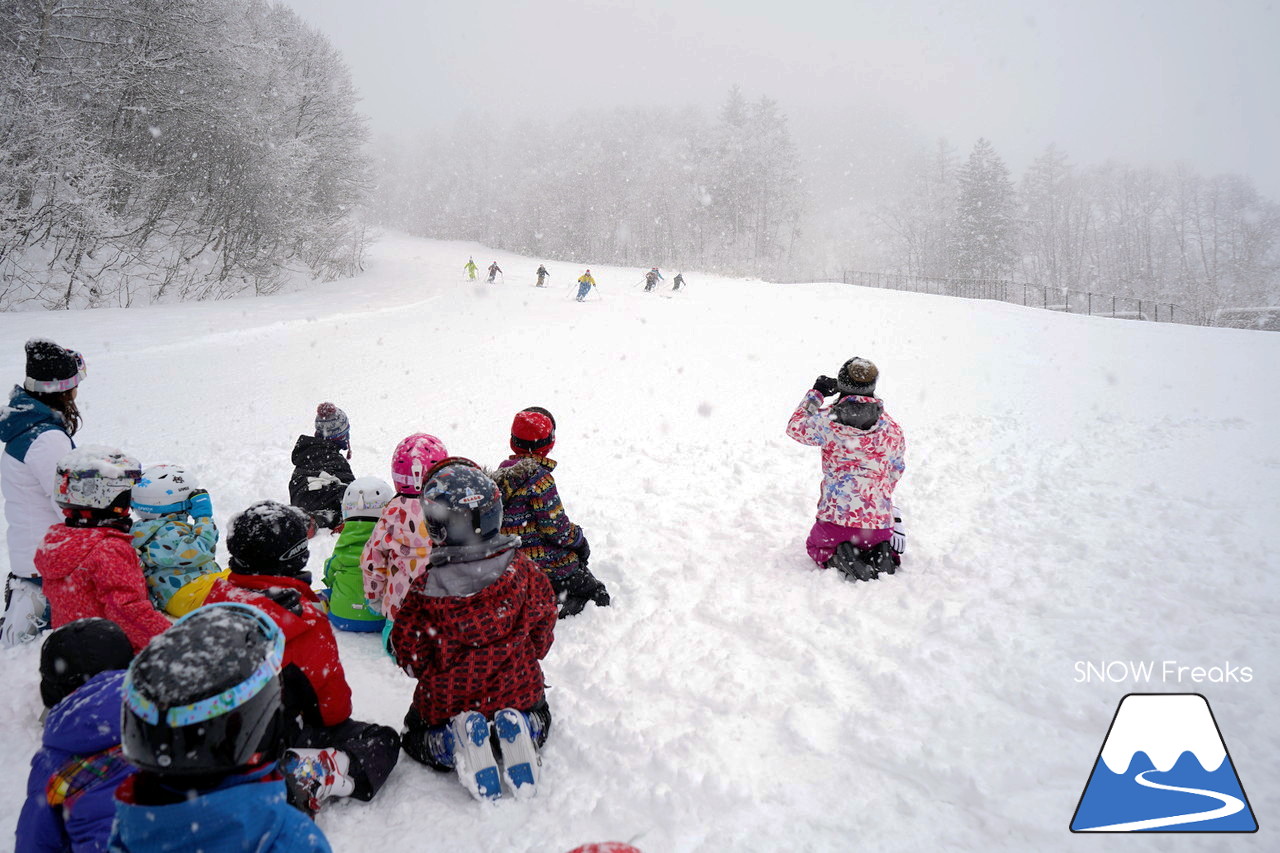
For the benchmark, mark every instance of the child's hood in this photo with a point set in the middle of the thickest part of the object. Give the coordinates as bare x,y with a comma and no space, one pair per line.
66,549
22,413
518,471
88,720
312,452
464,579
406,523
487,617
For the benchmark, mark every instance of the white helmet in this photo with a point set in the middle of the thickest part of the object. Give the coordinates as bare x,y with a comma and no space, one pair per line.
95,477
366,496
163,489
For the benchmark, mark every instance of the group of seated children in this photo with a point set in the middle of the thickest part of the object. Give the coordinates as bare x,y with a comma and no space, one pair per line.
235,721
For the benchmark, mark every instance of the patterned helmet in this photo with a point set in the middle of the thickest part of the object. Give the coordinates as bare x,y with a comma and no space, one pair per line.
411,460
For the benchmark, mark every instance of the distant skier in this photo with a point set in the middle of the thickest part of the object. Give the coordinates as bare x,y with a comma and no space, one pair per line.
863,456
677,283
651,279
542,275
471,269
585,283
494,269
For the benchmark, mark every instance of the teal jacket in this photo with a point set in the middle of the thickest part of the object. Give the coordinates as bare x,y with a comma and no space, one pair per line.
348,610
174,552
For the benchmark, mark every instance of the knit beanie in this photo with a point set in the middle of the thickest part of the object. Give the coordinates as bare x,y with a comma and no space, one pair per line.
533,431
332,424
857,376
51,368
78,651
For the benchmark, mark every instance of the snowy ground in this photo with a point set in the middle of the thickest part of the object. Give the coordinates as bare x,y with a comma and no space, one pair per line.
1077,489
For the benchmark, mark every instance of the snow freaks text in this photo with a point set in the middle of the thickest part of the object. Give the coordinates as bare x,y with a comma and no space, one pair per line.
1167,671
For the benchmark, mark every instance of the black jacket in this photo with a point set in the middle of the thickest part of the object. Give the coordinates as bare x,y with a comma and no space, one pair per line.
320,477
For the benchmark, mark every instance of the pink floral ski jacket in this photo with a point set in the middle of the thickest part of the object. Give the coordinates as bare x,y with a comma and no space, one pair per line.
860,467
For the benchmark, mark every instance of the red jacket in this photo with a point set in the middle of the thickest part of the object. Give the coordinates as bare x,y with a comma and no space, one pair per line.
309,643
477,652
94,571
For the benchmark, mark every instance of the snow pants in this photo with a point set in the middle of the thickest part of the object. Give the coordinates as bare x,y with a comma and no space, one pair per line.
826,536
415,738
373,750
583,290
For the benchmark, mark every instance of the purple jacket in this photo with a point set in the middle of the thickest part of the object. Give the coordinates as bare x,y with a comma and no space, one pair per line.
70,792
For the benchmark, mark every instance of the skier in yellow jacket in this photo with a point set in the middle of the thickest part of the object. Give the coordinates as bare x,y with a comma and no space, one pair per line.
585,283
471,269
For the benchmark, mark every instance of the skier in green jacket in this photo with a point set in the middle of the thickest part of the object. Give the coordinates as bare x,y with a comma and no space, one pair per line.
471,269
361,505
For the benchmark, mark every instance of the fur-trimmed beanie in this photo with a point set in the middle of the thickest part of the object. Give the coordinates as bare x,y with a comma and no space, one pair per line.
533,432
857,376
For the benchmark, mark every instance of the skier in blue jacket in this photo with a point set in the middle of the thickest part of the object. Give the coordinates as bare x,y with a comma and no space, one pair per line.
71,789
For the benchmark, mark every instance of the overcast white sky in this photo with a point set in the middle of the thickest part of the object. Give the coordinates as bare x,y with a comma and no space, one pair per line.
1146,82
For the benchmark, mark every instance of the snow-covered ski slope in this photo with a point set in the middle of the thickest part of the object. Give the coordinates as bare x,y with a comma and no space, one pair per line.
1077,489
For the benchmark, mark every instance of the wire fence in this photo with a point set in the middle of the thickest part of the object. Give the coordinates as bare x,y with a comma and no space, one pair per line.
1032,295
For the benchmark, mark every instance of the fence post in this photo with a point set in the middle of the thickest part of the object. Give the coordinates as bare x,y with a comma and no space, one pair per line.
1140,317
1113,307
1090,309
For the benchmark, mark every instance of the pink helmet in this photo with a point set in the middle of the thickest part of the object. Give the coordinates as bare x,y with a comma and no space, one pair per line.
412,457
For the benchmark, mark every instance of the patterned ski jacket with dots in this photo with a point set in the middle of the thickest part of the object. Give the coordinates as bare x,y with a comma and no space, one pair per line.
174,552
532,510
94,571
309,645
478,652
860,467
396,554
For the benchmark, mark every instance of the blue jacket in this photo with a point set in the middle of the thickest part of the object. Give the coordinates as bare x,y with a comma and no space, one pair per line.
247,814
22,421
85,725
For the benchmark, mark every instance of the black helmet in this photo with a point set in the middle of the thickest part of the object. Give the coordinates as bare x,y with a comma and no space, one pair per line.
78,651
268,538
203,698
463,508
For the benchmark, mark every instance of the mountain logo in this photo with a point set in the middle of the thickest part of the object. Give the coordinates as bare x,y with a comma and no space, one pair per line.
1163,768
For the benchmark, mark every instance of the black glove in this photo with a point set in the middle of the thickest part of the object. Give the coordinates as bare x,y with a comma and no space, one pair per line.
825,385
584,551
289,599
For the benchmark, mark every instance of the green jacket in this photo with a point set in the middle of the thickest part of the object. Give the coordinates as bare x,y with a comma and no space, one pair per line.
347,608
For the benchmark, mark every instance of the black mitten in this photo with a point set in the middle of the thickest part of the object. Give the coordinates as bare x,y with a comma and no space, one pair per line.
288,598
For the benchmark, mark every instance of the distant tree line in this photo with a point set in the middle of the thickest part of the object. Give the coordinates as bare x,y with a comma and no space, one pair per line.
160,149
1171,234
631,186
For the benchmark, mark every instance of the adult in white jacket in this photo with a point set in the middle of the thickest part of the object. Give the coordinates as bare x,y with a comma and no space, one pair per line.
36,427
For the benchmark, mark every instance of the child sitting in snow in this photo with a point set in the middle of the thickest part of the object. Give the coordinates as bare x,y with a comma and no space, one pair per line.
88,566
471,631
533,512
177,556
361,506
398,548
321,474
203,724
330,754
71,789
862,459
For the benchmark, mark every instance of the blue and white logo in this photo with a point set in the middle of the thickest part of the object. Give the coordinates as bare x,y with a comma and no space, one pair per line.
1164,768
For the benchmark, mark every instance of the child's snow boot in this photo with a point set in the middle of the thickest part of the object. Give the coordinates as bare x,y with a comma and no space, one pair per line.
521,763
320,774
473,756
852,563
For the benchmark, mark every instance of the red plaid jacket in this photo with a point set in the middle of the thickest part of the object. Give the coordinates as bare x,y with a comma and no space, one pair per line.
480,652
